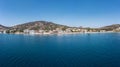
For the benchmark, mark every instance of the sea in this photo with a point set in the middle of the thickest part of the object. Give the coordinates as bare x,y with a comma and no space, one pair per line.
60,50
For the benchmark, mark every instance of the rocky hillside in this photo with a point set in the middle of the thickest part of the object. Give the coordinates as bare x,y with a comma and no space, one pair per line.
110,27
37,25
45,25
3,27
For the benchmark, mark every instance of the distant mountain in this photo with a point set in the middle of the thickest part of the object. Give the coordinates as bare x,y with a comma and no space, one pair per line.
110,27
39,25
3,27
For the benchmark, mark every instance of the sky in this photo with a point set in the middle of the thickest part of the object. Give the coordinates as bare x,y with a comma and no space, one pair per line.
86,13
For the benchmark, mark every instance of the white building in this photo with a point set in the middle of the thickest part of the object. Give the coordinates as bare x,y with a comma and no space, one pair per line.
68,30
102,30
41,31
84,30
26,31
4,31
31,32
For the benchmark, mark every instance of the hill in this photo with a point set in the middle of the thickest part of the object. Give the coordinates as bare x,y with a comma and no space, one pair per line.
3,27
39,25
110,27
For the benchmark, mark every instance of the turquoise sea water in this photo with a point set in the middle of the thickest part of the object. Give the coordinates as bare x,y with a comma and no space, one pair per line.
73,50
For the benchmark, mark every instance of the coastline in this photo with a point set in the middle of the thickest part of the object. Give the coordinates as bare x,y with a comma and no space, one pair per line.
62,33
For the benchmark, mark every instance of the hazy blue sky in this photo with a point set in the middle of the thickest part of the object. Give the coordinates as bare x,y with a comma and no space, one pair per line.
92,13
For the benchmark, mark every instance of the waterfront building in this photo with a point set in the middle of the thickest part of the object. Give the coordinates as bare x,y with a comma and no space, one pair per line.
26,31
31,32
68,30
4,31
102,30
41,31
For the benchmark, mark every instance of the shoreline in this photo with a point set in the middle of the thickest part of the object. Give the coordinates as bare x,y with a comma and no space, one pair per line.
62,33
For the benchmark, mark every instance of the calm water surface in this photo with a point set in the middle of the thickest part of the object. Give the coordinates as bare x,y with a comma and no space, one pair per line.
74,50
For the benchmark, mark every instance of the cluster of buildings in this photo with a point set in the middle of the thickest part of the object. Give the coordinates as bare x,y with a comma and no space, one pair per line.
3,31
59,31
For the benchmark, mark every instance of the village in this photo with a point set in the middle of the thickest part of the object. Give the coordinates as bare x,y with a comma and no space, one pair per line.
58,31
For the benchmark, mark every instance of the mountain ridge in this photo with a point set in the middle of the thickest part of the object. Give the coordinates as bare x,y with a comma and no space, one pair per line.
110,27
36,25
2,27
45,25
